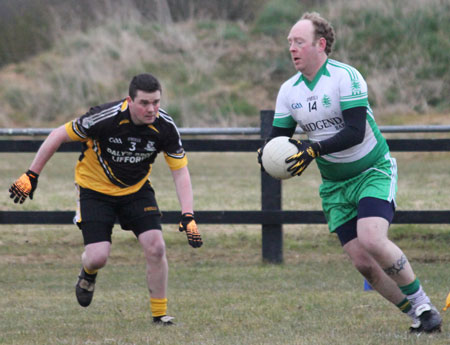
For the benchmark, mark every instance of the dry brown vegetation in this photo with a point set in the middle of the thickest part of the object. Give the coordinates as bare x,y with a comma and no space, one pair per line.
219,64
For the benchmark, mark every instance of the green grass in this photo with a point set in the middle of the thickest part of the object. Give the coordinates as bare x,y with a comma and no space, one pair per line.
231,181
221,293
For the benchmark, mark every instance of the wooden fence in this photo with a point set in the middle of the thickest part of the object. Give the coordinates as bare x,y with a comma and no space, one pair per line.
271,216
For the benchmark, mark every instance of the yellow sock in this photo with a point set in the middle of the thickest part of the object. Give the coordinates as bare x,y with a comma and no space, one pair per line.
158,306
89,271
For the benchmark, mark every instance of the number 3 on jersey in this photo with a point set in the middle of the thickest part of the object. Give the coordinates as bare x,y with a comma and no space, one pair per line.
312,106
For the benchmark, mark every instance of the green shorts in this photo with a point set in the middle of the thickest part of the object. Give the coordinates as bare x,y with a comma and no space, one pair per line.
340,198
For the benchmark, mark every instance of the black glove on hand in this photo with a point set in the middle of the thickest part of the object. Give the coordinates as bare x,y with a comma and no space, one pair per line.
188,224
24,186
306,154
260,152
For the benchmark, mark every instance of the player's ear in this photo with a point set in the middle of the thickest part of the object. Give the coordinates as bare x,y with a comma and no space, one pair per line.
322,42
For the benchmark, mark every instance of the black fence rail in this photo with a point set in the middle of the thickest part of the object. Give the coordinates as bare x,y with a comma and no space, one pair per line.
274,217
271,216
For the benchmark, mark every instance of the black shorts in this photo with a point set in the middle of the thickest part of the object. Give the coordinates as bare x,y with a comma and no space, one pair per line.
367,207
97,213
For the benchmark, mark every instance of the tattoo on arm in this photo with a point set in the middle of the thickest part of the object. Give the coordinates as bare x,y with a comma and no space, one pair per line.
396,267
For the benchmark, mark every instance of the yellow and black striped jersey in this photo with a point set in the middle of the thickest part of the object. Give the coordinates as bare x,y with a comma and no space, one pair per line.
117,155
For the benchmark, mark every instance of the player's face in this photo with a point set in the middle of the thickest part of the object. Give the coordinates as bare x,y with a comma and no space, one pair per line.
303,48
144,108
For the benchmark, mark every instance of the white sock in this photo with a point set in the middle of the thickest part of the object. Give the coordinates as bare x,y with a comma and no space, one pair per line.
418,298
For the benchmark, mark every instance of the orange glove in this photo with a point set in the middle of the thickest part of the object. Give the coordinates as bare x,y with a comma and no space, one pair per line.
24,186
188,224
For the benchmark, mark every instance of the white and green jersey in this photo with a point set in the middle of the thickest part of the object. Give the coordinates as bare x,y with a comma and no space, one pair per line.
317,107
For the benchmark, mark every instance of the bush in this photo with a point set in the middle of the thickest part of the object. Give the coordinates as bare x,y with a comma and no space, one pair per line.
277,16
25,30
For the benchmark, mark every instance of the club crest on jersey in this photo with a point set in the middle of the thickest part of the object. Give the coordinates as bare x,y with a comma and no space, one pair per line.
326,101
150,146
356,87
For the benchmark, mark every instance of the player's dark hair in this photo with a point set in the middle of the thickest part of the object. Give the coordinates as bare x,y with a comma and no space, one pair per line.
322,28
144,82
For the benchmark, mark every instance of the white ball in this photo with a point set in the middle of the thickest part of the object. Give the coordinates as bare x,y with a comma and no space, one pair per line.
274,156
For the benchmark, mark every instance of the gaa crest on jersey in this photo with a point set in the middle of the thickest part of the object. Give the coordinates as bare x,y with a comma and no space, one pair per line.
150,146
115,140
296,105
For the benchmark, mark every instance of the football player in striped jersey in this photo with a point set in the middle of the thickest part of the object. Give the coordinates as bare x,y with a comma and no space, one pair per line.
120,141
328,100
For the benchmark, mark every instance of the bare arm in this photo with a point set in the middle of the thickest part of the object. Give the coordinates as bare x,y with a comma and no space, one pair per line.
26,184
183,187
48,148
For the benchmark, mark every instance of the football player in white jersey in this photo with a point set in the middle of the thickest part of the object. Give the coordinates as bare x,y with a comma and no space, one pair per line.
328,100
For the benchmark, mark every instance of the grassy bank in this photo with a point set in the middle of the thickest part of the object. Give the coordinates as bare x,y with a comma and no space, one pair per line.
221,70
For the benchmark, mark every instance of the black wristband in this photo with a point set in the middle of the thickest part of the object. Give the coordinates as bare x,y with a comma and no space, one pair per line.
32,173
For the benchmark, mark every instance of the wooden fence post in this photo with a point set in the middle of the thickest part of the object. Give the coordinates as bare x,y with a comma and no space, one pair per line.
272,234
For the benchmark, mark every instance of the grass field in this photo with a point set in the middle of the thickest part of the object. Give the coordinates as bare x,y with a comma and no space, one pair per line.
221,293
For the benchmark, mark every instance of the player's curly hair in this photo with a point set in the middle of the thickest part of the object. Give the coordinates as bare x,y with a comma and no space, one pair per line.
144,82
322,28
